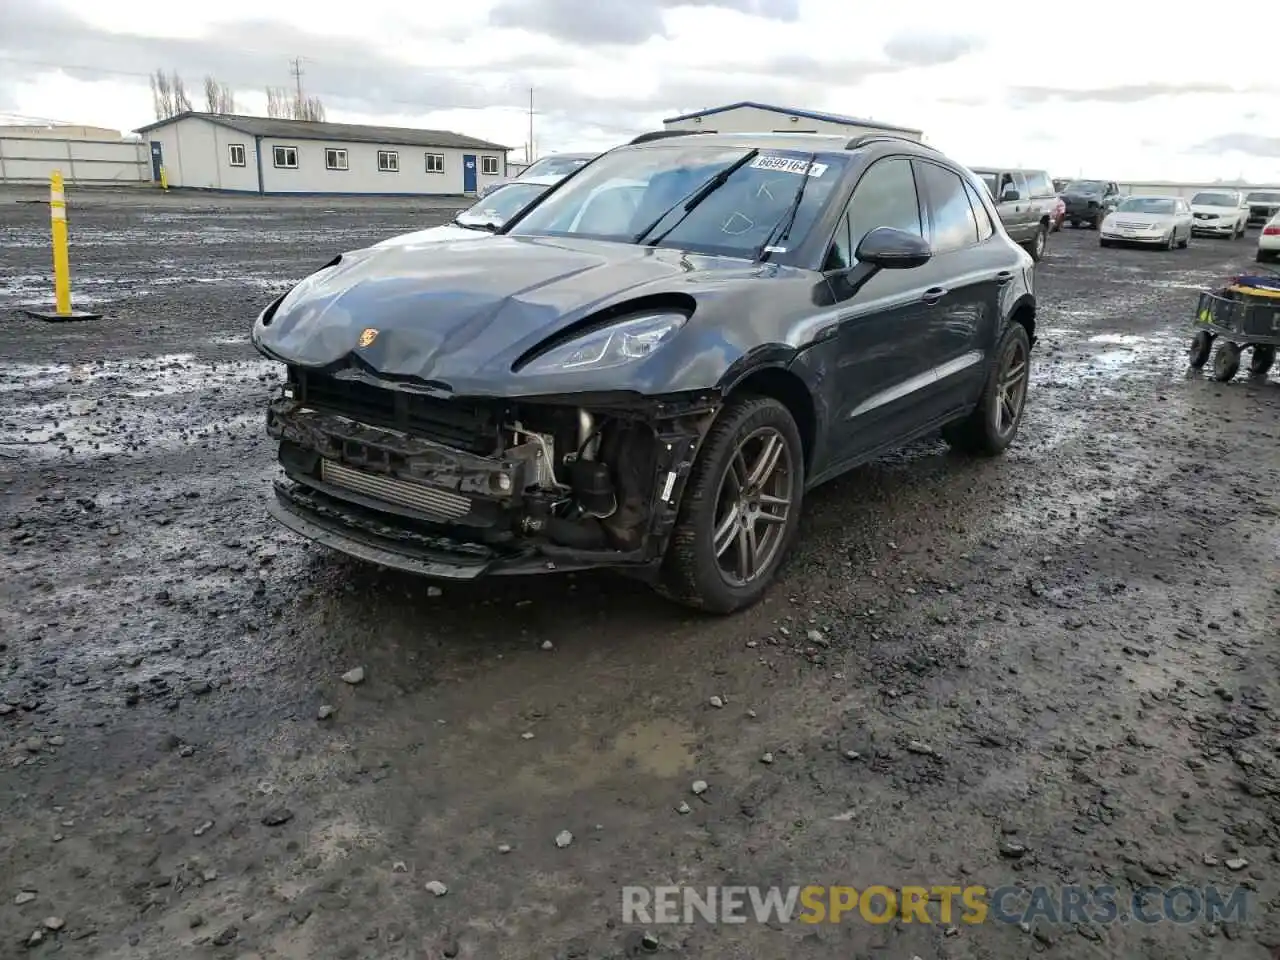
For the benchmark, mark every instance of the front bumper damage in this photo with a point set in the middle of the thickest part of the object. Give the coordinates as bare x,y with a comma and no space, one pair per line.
461,489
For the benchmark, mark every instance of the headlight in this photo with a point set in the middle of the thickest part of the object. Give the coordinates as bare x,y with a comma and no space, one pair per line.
628,340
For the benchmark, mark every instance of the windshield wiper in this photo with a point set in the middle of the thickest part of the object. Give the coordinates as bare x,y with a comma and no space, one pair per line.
783,228
693,199
487,226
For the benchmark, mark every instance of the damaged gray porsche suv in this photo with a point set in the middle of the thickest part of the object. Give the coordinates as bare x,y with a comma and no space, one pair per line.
649,367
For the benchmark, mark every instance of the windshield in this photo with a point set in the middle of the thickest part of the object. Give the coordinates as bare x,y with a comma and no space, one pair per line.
1264,197
503,203
623,192
1214,200
1146,205
554,166
1085,186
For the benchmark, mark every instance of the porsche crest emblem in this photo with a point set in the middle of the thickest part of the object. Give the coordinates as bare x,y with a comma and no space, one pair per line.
367,336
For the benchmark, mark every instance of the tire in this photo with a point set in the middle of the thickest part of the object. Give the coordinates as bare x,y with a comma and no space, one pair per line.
1201,346
1226,361
1263,256
1172,242
1036,247
1103,243
978,433
1185,242
1260,360
1075,224
692,572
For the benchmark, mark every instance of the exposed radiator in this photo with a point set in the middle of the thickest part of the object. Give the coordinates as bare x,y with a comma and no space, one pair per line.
439,505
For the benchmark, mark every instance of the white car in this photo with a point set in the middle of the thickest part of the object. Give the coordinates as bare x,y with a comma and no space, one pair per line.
1219,213
555,165
483,217
1148,220
1269,240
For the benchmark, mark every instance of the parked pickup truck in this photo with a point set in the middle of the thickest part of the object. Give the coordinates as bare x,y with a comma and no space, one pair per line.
1026,202
1089,201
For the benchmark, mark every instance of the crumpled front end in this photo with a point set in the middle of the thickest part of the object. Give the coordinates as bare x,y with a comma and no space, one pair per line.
461,487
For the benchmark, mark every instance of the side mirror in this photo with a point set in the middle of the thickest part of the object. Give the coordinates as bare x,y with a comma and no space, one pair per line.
1010,195
892,249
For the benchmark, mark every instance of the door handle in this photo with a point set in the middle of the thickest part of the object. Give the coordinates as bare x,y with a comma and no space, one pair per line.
1003,277
934,294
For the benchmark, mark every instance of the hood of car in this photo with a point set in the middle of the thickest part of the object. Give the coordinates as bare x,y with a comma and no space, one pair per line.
1214,210
463,314
433,235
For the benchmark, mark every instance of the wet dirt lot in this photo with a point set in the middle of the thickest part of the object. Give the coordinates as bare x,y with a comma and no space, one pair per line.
1056,668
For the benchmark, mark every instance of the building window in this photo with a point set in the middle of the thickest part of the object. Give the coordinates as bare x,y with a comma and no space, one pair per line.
435,163
489,166
286,157
388,161
235,154
335,159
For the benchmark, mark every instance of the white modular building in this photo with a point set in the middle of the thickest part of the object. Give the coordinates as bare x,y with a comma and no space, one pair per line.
747,116
271,156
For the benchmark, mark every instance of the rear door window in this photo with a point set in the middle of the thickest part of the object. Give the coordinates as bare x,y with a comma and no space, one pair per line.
951,220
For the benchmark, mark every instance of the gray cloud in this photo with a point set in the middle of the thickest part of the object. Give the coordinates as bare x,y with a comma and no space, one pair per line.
353,76
1130,93
1253,144
621,22
922,49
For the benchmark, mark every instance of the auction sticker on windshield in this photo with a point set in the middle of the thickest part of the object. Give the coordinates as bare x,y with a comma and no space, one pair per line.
788,165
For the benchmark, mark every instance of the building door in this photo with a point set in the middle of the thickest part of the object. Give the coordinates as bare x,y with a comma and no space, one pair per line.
157,160
469,173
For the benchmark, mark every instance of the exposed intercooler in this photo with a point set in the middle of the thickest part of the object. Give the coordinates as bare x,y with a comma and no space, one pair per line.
435,504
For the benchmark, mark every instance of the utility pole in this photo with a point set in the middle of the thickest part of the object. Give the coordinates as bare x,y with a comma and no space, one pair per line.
296,69
529,151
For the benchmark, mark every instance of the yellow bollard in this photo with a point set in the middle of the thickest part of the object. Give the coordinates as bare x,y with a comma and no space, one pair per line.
61,260
164,180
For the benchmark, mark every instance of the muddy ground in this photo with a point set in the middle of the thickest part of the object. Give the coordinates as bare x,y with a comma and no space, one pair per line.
1059,667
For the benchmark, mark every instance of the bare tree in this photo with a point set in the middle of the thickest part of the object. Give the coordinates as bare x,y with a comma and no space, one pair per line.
286,106
218,97
162,95
278,103
311,108
181,102
168,94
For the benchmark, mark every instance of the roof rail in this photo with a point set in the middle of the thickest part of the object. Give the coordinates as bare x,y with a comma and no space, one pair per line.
662,135
867,138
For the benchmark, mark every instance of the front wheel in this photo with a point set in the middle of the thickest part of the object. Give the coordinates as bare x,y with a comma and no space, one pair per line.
1201,345
993,424
1226,361
741,510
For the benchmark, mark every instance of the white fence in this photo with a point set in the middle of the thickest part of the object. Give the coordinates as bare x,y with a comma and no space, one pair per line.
33,159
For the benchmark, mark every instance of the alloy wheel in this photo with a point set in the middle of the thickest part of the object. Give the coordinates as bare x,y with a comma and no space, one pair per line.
753,506
1040,238
1011,389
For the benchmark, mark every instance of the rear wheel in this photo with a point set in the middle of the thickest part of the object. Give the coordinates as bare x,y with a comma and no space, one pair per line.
1036,248
740,511
1261,359
994,423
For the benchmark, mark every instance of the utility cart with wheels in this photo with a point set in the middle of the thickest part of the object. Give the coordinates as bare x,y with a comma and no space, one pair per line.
1242,315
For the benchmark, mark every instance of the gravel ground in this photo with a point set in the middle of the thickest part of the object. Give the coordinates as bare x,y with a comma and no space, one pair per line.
1059,667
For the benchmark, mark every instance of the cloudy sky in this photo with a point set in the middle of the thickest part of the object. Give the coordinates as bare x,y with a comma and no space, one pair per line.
1108,89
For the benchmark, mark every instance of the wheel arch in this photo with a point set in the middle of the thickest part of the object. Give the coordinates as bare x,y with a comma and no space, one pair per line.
775,380
1024,312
